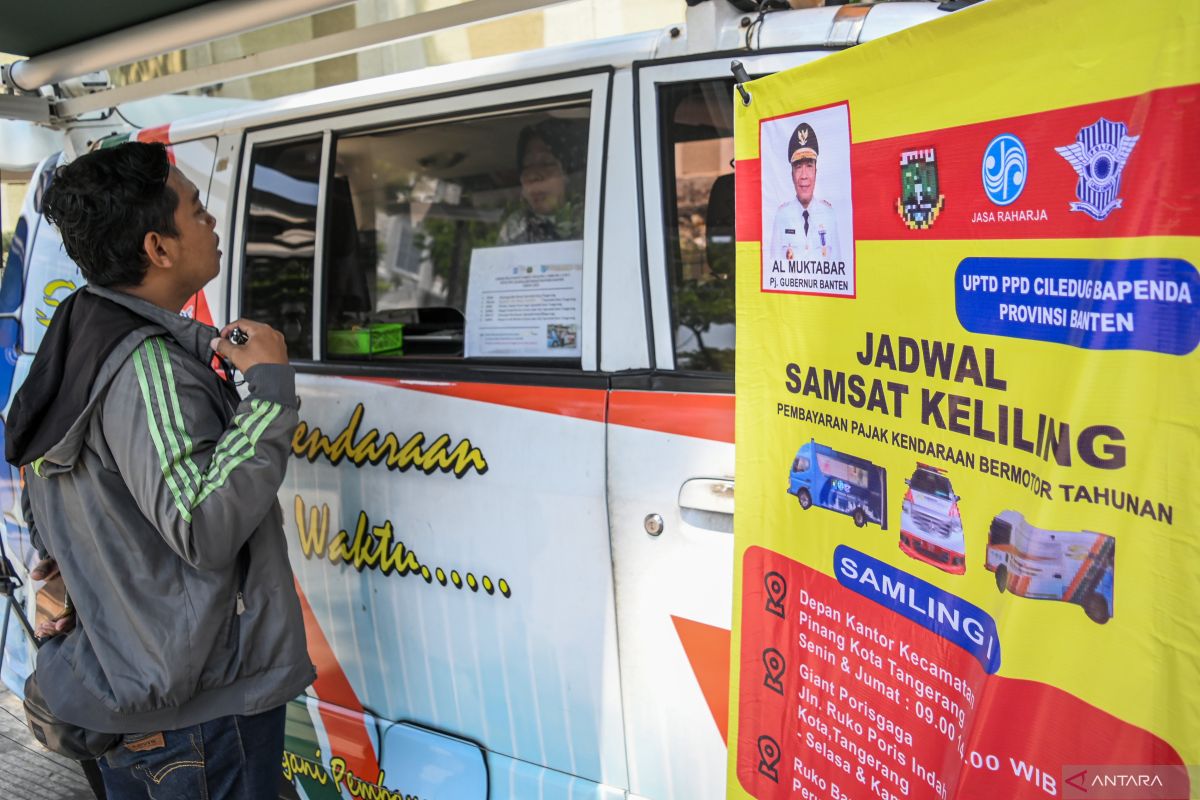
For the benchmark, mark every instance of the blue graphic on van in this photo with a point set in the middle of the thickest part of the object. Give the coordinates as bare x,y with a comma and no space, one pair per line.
12,286
821,476
947,615
1101,304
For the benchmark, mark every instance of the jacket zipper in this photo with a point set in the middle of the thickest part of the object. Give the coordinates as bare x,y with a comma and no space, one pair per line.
243,575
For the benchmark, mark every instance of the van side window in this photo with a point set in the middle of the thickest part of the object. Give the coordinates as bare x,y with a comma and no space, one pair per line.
408,209
697,166
281,228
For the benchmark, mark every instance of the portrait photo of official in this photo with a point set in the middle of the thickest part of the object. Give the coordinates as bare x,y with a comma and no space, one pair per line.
808,235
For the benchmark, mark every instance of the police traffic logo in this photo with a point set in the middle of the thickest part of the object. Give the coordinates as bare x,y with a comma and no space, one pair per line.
1098,156
1005,169
919,203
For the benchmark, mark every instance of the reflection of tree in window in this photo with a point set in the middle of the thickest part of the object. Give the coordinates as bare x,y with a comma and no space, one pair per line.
698,189
420,200
449,244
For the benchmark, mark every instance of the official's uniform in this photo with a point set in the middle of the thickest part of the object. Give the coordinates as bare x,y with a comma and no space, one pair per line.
794,240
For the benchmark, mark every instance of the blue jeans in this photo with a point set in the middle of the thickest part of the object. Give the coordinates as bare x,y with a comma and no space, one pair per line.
230,758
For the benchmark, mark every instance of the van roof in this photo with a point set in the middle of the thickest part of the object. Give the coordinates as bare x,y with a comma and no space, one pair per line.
424,82
724,32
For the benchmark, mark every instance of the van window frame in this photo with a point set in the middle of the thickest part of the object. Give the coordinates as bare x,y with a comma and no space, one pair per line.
591,86
649,77
237,266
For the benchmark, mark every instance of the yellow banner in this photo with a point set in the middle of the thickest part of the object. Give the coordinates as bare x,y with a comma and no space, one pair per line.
967,539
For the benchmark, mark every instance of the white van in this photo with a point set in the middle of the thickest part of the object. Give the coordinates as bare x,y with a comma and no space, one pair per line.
506,286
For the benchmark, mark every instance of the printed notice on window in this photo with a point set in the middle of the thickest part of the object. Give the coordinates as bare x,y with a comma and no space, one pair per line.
525,301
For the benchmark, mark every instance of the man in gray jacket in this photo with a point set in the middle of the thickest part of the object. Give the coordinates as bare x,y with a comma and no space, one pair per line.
153,485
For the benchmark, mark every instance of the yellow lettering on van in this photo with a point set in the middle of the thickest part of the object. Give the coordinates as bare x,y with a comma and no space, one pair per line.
371,448
295,766
316,532
337,767
344,778
339,550
48,297
375,547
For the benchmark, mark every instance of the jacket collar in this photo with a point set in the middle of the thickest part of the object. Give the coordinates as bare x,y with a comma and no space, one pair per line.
192,336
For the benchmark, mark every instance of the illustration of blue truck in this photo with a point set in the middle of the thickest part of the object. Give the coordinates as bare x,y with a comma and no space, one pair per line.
826,478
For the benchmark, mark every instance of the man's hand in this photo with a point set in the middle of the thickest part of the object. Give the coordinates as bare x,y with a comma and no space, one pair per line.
266,345
44,570
64,623
47,570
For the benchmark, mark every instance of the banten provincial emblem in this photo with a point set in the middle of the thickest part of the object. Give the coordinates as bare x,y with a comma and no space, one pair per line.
1099,155
919,203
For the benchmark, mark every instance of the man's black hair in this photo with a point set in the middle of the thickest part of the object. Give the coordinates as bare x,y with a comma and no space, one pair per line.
104,204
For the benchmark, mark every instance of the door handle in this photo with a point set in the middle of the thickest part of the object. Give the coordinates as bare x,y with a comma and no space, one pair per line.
707,494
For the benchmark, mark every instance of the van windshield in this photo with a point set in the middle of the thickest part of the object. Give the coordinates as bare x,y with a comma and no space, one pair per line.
930,483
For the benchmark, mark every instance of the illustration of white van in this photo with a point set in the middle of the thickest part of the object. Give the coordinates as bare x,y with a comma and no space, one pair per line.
1076,567
930,522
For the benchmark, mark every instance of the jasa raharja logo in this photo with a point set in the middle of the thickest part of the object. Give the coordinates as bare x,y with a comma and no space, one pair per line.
1005,169
920,202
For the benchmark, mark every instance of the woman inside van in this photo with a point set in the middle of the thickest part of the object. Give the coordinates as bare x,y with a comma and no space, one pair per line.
551,157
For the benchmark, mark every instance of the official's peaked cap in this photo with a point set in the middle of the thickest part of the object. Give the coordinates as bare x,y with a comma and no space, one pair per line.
803,143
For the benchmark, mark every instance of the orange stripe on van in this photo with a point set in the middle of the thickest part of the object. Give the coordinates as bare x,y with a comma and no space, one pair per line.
587,404
705,416
158,134
345,726
707,650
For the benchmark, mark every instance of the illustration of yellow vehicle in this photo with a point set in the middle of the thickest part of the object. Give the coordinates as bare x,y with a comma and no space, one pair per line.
1076,567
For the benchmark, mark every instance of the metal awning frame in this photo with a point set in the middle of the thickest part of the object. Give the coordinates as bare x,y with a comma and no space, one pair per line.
27,108
60,111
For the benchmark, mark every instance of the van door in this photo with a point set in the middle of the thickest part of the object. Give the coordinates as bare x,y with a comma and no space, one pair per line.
434,269
670,436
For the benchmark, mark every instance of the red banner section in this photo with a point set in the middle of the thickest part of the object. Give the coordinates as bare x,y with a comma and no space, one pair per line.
747,187
843,698
1157,181
1158,186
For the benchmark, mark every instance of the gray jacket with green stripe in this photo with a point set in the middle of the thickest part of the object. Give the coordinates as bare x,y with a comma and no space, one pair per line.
159,504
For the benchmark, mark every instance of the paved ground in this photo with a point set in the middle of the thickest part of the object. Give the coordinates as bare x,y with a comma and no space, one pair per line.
27,770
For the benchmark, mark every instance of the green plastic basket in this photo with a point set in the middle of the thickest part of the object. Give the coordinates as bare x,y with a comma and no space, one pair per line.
375,340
